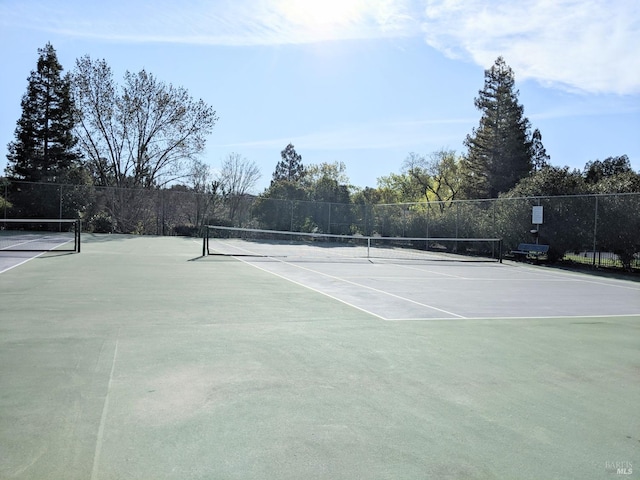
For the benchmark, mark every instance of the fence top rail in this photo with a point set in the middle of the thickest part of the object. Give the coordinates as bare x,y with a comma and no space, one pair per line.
37,220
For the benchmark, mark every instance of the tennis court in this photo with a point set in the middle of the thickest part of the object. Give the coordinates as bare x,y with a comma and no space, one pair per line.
139,358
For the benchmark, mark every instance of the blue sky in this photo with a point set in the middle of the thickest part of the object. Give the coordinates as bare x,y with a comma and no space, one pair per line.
364,82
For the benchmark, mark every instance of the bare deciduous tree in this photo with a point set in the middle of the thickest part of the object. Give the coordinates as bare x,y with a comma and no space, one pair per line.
143,134
236,178
238,175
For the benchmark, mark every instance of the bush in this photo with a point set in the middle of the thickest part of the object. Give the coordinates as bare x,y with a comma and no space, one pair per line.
186,230
102,223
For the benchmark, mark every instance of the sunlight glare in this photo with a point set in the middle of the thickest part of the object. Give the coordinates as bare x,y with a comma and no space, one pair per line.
323,14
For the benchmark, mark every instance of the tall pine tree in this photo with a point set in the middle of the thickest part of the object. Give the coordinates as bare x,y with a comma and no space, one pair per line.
44,146
500,149
290,168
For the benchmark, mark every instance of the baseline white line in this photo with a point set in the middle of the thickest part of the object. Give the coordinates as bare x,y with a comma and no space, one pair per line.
103,418
544,317
581,277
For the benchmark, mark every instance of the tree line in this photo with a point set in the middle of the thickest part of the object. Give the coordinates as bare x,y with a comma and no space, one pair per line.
83,128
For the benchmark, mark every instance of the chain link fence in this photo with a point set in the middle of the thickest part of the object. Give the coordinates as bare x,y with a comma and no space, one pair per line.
599,230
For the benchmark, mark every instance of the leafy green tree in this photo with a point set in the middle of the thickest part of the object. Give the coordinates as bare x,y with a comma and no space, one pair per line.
568,215
4,203
399,188
500,149
550,181
618,225
275,208
290,168
367,196
618,218
335,171
438,175
598,170
327,182
624,182
44,146
328,206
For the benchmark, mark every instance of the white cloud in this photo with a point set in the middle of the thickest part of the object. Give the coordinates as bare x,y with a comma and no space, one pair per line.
586,45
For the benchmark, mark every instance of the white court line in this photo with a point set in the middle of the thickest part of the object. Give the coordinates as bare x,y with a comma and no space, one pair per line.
341,280
543,317
8,249
581,277
103,418
21,263
542,273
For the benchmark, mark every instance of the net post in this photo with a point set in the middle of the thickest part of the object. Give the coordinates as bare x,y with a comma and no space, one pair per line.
205,237
368,247
78,232
500,250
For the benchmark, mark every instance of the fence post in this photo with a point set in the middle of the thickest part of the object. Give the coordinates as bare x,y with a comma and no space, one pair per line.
493,210
427,217
595,233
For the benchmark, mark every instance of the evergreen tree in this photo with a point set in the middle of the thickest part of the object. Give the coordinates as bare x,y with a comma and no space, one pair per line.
290,168
500,149
44,146
539,156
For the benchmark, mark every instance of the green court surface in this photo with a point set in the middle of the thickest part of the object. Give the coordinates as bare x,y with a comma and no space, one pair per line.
136,359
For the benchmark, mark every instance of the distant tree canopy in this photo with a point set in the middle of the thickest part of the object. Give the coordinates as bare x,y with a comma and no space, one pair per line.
612,175
327,182
609,167
44,146
313,189
550,181
500,149
142,134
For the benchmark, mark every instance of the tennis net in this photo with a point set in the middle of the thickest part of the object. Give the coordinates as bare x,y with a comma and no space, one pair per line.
232,241
37,235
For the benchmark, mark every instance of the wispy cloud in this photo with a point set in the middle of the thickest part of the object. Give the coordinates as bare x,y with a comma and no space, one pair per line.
587,45
219,22
420,134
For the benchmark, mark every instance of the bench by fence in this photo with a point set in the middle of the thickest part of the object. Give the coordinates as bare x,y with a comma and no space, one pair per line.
531,251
